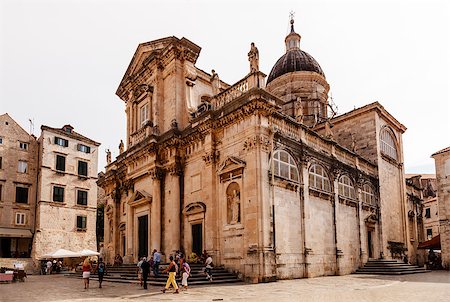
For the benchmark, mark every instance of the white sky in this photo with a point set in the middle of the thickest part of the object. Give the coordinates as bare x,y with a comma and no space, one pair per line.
62,61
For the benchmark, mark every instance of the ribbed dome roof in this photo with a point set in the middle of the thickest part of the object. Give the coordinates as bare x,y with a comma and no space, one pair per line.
294,60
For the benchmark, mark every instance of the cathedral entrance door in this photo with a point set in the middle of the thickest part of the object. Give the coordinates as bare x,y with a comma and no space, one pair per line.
197,238
370,244
143,236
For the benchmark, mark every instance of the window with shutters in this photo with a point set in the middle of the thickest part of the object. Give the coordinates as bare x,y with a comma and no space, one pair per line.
22,166
58,194
82,197
61,142
144,114
81,223
82,168
60,163
23,146
84,148
21,194
20,219
318,178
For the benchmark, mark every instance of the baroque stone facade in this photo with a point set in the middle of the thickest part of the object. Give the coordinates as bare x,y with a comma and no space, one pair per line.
259,175
442,162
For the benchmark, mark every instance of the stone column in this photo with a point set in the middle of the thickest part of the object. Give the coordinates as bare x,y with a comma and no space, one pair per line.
130,234
172,212
155,211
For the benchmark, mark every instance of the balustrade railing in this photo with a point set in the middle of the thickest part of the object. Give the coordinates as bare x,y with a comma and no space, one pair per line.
252,80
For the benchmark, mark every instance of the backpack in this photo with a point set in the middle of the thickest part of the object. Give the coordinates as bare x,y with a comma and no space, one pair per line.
101,268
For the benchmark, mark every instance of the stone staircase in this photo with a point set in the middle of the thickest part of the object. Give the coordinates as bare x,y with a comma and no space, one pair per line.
389,267
127,273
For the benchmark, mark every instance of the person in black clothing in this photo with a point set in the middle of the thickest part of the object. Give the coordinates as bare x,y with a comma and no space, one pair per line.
145,266
101,269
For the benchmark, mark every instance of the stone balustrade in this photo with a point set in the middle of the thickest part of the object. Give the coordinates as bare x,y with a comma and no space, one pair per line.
252,80
140,135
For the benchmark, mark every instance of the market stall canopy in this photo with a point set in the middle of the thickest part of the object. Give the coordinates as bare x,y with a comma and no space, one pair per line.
434,243
62,253
88,253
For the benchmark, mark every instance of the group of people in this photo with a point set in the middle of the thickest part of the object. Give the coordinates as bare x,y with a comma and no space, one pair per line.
177,266
99,268
51,267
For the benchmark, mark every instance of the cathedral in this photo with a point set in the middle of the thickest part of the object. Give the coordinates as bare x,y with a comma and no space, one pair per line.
262,174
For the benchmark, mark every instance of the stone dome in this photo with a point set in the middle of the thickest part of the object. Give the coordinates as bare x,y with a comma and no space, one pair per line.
294,60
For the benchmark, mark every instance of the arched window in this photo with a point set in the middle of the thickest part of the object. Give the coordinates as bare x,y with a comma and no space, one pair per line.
387,143
284,166
318,178
346,187
368,195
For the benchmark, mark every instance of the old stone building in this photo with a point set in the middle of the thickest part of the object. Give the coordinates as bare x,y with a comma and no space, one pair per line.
259,173
442,163
415,221
67,192
430,206
18,170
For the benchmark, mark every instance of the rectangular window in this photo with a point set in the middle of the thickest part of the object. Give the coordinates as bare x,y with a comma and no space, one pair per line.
428,213
60,163
82,168
23,146
1,140
429,234
84,148
20,218
58,194
1,190
21,194
22,167
1,159
61,142
144,114
81,223
82,197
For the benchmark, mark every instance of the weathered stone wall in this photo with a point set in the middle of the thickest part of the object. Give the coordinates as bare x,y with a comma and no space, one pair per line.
288,234
57,221
442,163
348,241
12,134
358,134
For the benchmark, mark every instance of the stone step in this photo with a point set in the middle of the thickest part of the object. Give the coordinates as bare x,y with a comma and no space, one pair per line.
389,267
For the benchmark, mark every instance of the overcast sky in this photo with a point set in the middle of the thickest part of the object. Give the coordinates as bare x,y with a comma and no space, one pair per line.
62,61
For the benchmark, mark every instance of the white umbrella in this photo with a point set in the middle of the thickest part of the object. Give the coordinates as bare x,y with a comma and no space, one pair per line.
62,253
87,253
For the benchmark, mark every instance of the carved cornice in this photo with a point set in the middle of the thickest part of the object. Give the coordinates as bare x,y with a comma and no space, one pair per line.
211,157
174,169
255,141
156,173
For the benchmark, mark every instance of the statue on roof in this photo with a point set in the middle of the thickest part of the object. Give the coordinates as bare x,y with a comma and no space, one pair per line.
108,156
253,58
121,147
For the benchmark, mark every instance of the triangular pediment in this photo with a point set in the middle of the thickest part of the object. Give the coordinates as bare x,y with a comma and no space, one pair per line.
231,163
144,51
140,196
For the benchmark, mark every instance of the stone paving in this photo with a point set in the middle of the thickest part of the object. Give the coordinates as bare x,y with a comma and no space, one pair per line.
434,286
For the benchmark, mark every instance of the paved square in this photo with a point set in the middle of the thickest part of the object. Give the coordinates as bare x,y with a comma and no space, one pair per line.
427,287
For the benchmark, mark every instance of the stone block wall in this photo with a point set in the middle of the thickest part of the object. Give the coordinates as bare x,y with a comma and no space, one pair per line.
442,163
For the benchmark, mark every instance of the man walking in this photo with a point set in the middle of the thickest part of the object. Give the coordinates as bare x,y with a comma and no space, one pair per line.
145,266
157,261
101,269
